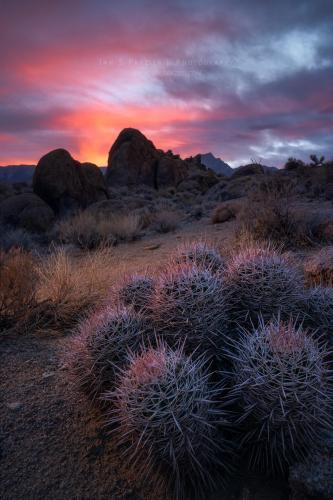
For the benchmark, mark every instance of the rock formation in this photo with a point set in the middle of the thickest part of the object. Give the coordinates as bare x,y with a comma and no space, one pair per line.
133,160
27,211
65,183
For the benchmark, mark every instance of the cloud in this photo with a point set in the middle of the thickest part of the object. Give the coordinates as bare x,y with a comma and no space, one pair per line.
235,77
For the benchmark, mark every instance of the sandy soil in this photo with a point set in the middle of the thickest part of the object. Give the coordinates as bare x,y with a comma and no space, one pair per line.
52,443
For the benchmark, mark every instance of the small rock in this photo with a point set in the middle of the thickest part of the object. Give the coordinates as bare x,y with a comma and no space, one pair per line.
152,247
14,406
48,374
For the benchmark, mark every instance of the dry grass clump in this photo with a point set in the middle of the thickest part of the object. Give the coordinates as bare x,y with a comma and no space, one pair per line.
222,213
260,281
169,414
137,290
200,254
85,231
90,231
318,269
282,383
126,227
100,347
189,306
69,287
17,286
165,221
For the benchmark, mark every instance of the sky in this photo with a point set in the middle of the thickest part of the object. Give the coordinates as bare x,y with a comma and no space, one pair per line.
245,80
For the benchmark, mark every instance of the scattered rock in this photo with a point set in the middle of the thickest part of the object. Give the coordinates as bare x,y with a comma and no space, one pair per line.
26,211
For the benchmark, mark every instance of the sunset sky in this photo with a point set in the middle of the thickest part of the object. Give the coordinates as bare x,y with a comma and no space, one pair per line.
242,79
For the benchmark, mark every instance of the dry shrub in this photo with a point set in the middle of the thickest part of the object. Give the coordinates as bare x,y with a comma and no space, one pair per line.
146,217
85,230
269,214
125,227
316,178
90,231
70,287
17,286
166,220
318,269
222,213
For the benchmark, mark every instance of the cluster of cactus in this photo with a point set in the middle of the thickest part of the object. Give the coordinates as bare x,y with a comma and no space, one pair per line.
282,385
165,404
156,358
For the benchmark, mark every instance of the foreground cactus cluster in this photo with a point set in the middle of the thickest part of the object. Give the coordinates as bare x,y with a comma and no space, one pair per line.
209,361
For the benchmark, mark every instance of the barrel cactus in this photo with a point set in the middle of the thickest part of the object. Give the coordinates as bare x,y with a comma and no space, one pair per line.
200,254
284,390
137,291
172,417
189,306
261,282
101,345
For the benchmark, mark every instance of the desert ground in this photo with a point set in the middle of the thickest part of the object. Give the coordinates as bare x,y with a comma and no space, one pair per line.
53,442
61,263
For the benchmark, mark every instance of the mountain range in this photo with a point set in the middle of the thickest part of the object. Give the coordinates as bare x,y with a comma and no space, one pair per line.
16,173
219,166
24,173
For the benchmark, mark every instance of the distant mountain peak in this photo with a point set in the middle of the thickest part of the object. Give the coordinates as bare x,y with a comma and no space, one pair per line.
214,163
16,173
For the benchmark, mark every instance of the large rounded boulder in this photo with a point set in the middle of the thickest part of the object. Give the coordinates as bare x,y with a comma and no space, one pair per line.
95,185
133,159
27,211
66,184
